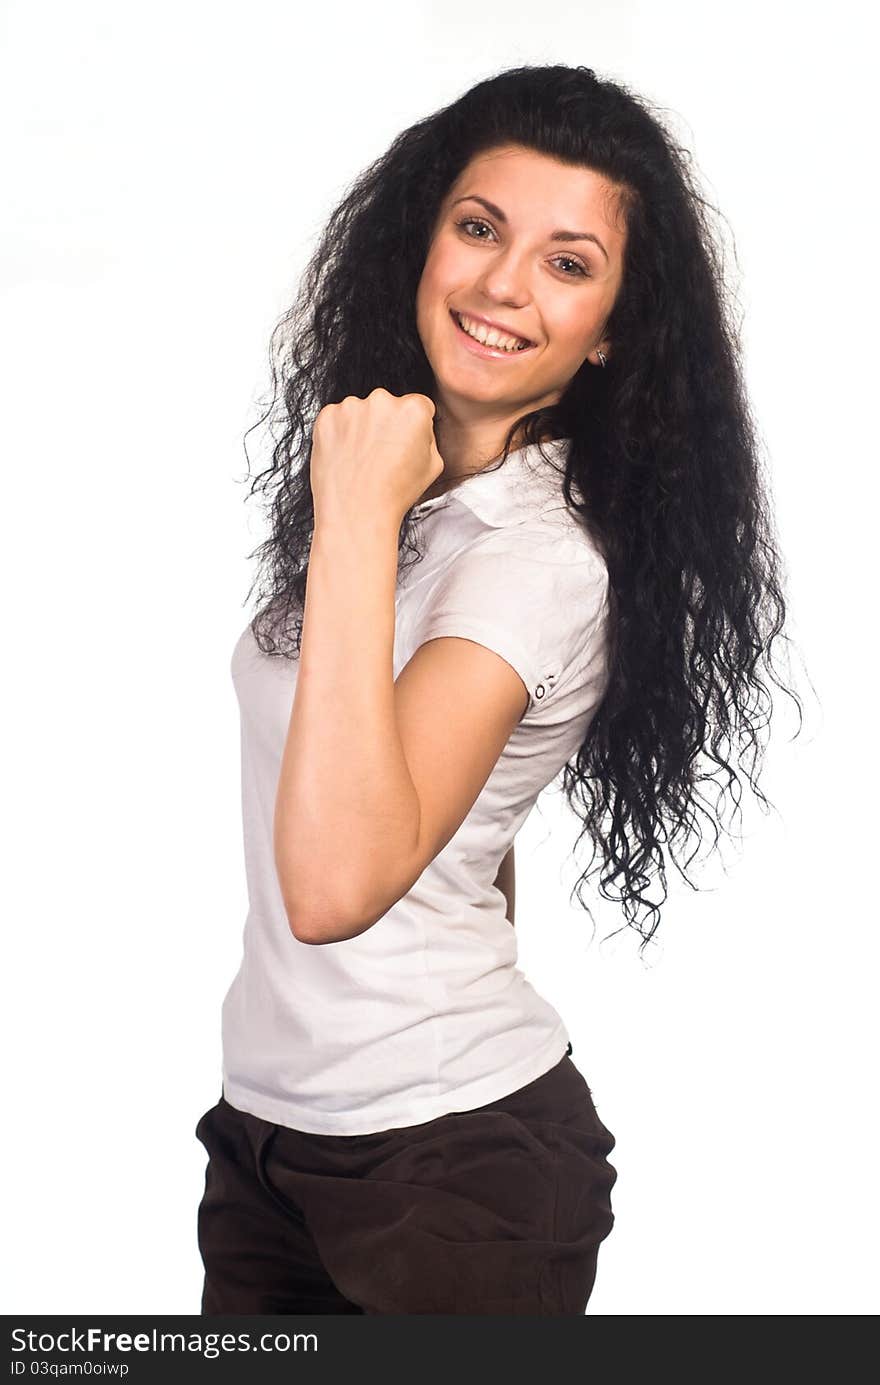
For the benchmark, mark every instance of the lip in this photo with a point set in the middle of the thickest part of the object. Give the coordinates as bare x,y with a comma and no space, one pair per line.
478,348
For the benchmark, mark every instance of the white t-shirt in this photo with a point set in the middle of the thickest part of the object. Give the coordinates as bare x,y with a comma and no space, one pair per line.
426,1012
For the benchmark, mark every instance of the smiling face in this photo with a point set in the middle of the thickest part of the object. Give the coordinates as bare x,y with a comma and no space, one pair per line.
498,256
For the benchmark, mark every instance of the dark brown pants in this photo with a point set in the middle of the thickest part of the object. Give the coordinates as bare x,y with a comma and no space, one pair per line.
497,1210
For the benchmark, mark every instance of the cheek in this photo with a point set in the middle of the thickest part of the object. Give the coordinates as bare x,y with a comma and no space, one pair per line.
424,296
426,290
431,297
440,274
572,331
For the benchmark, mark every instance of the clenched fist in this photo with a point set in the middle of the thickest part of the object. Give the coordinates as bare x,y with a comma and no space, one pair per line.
373,458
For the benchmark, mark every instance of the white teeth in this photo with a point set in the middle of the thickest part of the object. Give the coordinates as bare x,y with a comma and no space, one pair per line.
489,336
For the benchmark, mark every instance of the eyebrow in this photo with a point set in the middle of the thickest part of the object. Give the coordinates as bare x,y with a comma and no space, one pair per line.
556,235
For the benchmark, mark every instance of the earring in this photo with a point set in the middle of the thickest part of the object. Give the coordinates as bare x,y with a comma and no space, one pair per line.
602,357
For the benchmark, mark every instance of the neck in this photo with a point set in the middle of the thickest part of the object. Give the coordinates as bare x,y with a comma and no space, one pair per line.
468,445
466,448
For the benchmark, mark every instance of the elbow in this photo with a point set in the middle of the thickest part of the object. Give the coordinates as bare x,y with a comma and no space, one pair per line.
339,896
315,913
315,926
332,922
316,916
303,928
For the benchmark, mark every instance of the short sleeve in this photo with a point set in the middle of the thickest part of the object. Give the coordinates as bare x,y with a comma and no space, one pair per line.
533,595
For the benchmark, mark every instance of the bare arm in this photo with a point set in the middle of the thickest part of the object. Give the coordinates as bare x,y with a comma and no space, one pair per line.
505,881
377,775
345,793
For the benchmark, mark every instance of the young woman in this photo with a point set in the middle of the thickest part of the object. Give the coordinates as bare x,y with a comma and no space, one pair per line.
518,530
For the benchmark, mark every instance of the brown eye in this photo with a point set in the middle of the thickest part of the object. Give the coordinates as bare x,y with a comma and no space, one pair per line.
579,271
474,221
583,273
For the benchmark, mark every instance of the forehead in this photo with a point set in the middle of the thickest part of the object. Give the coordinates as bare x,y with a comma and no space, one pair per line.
525,183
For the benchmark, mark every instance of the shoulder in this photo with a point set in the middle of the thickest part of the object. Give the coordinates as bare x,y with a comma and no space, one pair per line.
554,537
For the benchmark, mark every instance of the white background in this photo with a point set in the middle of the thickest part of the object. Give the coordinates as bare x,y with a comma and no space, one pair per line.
167,169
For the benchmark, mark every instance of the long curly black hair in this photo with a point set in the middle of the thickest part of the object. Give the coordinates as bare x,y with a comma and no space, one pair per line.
663,447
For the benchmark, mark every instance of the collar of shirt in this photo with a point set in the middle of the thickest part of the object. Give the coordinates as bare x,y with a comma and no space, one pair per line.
508,494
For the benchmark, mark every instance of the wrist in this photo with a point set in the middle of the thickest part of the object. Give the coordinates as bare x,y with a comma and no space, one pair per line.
348,527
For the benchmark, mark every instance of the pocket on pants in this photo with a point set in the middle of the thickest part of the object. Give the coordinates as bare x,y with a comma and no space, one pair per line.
484,1211
454,1218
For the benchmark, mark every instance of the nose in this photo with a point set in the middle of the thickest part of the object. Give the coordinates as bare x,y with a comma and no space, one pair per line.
505,279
